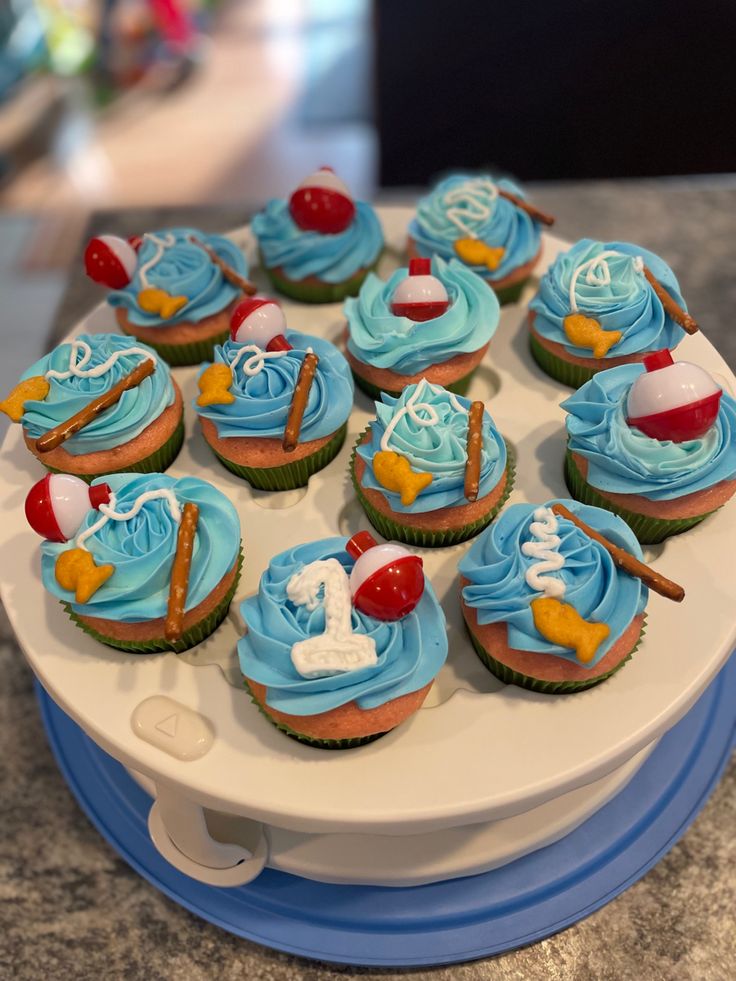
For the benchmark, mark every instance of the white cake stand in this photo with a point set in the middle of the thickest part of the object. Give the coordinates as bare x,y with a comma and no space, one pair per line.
482,774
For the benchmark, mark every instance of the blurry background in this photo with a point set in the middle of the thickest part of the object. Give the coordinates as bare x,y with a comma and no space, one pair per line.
135,104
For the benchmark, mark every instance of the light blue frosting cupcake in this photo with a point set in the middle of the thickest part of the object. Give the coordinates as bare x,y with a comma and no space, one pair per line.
142,549
502,224
623,460
379,338
626,303
183,270
595,586
262,401
331,258
410,651
440,449
135,410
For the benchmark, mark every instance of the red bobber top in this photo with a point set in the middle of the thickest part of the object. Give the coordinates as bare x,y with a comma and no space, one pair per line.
421,296
259,320
387,581
110,261
57,504
322,203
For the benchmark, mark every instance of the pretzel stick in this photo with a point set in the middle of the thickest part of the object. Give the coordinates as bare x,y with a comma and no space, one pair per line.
230,274
299,402
626,561
533,212
671,306
472,463
179,584
59,434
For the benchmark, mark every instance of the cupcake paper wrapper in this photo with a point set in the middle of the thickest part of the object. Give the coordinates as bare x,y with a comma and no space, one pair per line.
509,294
291,475
307,740
392,531
195,635
510,677
157,462
317,292
459,387
179,355
573,375
648,530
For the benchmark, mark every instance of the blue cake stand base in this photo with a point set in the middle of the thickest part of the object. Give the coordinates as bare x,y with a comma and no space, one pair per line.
447,922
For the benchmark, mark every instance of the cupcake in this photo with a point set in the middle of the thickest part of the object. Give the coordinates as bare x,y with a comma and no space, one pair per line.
143,563
655,443
601,304
546,605
486,223
97,405
274,404
432,321
419,475
343,641
318,246
173,289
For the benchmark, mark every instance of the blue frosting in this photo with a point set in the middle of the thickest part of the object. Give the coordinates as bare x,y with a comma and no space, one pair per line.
135,410
331,258
142,549
440,449
506,226
623,460
595,586
410,651
379,338
628,303
262,401
184,270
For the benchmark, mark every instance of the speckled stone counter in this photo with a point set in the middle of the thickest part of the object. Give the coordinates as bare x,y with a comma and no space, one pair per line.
71,909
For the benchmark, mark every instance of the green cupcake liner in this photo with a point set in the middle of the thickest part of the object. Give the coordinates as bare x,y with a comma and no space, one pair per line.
196,352
393,531
316,743
459,387
317,292
290,475
509,294
157,462
510,677
648,530
573,375
195,635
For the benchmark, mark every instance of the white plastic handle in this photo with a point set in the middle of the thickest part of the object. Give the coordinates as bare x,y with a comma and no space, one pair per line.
179,831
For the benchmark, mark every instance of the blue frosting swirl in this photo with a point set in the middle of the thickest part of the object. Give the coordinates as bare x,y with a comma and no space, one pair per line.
623,460
440,449
595,586
262,401
184,270
135,410
331,258
379,338
410,651
142,549
507,226
628,303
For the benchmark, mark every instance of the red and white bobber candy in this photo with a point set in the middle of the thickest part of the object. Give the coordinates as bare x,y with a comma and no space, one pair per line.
322,203
421,296
58,503
387,581
673,400
260,321
110,261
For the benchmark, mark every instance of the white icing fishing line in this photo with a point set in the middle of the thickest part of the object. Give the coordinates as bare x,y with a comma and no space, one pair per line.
108,512
412,407
161,244
598,272
338,649
258,357
474,195
546,549
78,365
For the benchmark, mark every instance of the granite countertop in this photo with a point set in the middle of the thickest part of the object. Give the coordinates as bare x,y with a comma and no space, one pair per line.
71,909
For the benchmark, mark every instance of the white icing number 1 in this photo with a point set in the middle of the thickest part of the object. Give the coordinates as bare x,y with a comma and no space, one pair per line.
338,649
